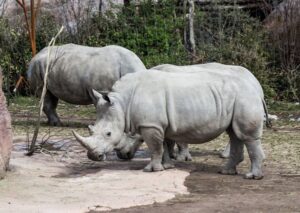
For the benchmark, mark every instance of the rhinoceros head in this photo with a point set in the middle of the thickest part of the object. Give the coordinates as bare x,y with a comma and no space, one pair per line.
108,130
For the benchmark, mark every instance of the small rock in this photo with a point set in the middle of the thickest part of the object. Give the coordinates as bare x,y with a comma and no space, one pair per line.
297,103
298,120
292,119
273,117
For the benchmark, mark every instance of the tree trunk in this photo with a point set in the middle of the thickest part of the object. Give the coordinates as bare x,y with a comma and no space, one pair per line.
185,33
189,35
192,44
100,6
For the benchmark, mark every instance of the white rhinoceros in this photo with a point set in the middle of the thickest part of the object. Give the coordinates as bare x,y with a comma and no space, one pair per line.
190,107
75,70
183,151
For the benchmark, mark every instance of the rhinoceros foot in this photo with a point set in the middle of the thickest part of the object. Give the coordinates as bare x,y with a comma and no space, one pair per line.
250,175
186,156
168,165
55,123
153,167
2,174
231,171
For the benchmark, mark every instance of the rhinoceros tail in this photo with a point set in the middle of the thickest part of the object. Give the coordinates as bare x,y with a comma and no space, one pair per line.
268,121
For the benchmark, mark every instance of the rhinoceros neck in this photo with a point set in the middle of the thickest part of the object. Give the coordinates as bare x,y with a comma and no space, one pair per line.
123,91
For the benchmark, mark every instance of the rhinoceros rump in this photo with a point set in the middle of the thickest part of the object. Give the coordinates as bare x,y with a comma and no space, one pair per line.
192,107
5,133
75,70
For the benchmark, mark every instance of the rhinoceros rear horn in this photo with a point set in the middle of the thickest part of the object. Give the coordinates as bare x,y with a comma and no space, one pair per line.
86,142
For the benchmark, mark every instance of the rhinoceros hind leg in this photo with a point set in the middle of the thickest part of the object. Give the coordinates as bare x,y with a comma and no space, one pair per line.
183,152
50,104
154,142
166,160
236,154
256,155
170,148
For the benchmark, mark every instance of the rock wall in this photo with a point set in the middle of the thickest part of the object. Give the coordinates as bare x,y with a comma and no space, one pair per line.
5,133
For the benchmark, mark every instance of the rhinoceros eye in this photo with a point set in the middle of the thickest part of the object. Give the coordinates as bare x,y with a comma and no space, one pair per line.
108,134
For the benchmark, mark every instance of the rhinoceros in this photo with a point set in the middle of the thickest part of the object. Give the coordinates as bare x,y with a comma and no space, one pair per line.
75,70
5,133
183,152
191,107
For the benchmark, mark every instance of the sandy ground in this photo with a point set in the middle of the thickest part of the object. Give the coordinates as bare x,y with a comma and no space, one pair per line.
66,181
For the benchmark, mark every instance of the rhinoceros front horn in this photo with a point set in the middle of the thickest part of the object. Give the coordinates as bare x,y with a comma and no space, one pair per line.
86,142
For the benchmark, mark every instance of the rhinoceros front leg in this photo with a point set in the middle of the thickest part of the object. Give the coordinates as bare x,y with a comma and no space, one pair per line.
154,141
50,104
236,155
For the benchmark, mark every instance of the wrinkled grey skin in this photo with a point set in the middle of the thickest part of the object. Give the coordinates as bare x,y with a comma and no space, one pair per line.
192,107
183,151
75,70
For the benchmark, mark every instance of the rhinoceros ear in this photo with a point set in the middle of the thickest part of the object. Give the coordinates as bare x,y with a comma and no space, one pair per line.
100,95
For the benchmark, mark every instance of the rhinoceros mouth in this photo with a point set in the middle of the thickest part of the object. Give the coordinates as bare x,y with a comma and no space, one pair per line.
95,156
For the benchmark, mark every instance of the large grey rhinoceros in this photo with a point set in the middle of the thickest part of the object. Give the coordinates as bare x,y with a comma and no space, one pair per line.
75,70
183,152
191,107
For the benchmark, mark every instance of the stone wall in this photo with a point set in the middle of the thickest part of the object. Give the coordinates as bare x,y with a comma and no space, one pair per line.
5,133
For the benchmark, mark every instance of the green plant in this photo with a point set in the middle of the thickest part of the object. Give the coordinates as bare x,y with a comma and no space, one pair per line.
234,37
15,52
150,30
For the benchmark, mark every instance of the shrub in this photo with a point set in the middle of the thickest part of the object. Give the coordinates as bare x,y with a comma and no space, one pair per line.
233,37
15,52
150,30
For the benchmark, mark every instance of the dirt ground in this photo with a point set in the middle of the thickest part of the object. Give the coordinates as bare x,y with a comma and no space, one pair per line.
279,191
59,177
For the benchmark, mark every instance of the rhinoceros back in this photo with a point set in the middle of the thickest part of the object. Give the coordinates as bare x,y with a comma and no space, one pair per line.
192,107
230,70
75,70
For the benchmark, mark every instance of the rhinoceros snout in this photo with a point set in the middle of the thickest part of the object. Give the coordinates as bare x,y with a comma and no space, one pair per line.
95,156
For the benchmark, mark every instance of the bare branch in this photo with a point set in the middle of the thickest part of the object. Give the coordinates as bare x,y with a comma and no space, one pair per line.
41,104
